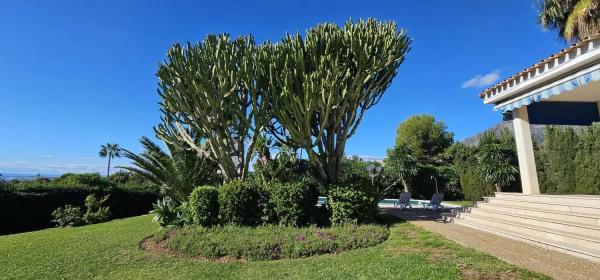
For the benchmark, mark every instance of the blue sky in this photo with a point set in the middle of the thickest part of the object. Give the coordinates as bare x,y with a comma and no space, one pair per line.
78,74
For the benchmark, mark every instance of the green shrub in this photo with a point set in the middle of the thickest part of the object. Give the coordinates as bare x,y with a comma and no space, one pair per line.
472,185
31,208
204,205
351,204
293,202
241,203
73,216
272,242
96,212
68,216
92,182
84,179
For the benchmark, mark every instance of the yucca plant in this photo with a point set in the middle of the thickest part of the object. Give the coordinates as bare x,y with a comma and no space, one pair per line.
496,162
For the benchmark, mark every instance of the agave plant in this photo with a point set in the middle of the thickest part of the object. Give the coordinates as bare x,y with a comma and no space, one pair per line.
176,171
165,212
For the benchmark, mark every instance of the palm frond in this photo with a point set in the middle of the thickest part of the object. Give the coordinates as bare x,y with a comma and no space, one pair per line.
176,171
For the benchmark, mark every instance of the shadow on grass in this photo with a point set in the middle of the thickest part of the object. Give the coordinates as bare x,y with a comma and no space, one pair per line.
415,214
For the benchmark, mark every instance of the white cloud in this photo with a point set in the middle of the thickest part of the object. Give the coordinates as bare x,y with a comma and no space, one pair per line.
482,80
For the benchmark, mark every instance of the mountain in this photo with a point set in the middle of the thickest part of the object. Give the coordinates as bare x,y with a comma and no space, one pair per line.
537,131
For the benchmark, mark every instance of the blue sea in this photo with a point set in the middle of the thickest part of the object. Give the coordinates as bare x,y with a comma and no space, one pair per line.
25,176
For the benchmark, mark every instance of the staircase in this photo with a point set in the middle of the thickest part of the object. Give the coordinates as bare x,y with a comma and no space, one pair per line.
567,223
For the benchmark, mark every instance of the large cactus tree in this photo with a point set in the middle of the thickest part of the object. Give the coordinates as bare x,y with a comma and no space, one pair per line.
216,89
323,84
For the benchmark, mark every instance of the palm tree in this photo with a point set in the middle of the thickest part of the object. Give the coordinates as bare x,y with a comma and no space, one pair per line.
111,151
573,19
176,171
496,161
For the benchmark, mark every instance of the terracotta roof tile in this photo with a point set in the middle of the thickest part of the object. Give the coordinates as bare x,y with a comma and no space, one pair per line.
542,62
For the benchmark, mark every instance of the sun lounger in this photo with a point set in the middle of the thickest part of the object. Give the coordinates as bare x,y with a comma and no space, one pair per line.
403,201
435,203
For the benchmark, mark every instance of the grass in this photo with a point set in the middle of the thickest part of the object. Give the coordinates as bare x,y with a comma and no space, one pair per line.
272,242
467,203
110,251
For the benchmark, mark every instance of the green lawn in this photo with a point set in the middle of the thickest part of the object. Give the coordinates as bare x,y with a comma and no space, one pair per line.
460,203
110,251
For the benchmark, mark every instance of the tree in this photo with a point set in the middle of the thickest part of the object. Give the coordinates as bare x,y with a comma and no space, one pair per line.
496,162
280,167
464,161
176,171
323,83
400,166
424,136
572,19
217,89
110,151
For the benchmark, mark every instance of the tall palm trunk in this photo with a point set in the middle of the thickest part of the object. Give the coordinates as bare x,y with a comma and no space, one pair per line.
404,184
108,169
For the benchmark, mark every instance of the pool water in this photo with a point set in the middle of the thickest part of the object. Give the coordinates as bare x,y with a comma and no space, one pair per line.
388,201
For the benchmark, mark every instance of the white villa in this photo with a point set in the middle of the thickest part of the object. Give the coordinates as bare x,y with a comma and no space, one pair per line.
563,89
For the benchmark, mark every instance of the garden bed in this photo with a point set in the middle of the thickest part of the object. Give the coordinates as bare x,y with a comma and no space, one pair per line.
264,242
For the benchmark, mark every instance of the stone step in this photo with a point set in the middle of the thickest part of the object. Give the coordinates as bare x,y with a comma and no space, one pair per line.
545,206
550,222
571,249
534,231
571,200
568,217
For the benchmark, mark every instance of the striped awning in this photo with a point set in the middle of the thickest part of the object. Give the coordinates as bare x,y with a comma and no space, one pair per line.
549,92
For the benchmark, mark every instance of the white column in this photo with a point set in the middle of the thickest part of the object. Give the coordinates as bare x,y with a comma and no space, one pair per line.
529,179
598,104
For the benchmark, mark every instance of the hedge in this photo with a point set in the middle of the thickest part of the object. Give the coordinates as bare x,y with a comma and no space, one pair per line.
204,205
241,203
32,209
294,203
569,161
350,204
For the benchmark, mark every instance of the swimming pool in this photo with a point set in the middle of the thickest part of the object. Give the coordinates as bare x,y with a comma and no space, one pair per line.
386,201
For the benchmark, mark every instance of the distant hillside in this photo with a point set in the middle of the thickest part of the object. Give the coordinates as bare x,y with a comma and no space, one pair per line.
537,132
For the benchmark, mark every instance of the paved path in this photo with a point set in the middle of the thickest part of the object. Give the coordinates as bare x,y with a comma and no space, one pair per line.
552,263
